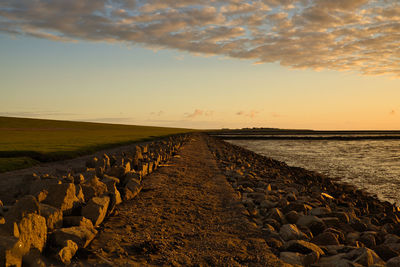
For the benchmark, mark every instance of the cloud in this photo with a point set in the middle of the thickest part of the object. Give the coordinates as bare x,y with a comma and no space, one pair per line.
345,35
199,112
158,113
251,114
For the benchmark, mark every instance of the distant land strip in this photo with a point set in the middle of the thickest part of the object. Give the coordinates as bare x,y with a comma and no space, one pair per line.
288,137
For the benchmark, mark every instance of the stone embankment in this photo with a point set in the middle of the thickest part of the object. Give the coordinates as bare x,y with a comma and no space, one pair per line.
58,214
308,219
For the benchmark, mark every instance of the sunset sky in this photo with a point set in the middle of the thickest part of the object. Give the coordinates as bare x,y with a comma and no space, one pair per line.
316,64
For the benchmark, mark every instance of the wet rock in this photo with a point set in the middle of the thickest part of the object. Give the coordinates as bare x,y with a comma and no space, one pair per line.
62,196
93,188
67,252
393,262
364,256
96,209
53,216
292,258
291,232
81,235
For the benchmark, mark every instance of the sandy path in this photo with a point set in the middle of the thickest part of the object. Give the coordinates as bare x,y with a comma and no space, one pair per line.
187,214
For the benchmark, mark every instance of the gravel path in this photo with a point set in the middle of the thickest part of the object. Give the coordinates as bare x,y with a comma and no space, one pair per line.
187,214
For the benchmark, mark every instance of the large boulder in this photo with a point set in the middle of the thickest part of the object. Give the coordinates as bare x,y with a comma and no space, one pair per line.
93,188
53,216
111,183
96,209
32,232
63,197
81,235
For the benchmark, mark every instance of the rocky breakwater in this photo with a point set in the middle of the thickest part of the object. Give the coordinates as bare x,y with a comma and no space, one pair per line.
58,214
308,219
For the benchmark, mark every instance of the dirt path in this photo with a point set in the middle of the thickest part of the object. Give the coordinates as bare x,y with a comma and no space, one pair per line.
187,214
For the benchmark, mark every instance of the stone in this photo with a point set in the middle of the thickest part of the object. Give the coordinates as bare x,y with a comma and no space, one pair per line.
32,232
303,247
320,211
385,252
111,183
290,232
81,235
79,193
292,216
67,252
335,261
93,188
79,178
132,188
53,216
391,238
364,256
326,239
274,243
26,205
315,224
10,251
368,239
34,259
63,197
276,214
292,258
77,221
393,262
96,209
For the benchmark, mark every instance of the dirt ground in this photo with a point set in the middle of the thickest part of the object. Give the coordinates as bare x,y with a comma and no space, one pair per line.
186,215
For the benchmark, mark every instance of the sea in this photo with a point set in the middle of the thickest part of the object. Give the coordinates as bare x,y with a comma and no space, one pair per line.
372,165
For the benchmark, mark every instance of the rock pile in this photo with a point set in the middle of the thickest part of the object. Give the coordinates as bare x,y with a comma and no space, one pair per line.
59,214
308,219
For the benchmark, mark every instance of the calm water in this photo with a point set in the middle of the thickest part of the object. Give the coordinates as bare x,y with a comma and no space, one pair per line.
373,165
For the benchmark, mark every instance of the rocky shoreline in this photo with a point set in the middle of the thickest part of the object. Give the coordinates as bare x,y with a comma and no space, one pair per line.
57,214
307,218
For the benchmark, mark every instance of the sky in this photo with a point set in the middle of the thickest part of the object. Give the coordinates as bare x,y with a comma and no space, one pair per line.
298,64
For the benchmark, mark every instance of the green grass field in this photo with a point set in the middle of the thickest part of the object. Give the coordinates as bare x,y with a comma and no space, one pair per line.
25,142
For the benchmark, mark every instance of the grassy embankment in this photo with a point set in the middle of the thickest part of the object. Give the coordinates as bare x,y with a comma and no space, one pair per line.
26,142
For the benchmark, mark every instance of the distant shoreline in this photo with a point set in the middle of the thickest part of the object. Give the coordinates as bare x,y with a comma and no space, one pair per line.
298,137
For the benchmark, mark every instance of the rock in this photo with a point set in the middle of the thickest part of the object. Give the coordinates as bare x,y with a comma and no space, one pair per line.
79,178
63,197
336,261
32,232
10,251
326,239
393,262
331,221
34,259
276,214
315,224
368,239
77,221
96,209
67,252
364,256
53,216
132,188
292,258
303,247
292,216
385,252
274,243
290,232
111,183
93,188
320,211
79,193
390,238
81,235
338,233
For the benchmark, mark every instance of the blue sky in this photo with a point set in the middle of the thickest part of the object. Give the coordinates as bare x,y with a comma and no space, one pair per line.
159,83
